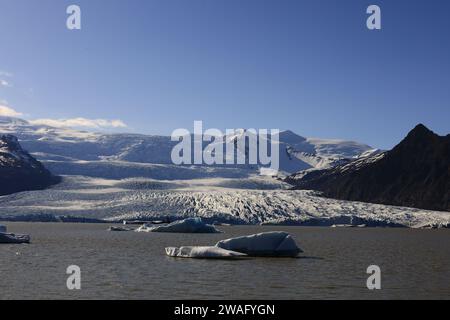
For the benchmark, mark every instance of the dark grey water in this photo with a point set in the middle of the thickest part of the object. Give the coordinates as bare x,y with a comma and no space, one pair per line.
128,265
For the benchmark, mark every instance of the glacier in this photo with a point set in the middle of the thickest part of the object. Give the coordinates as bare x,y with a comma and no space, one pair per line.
117,177
253,200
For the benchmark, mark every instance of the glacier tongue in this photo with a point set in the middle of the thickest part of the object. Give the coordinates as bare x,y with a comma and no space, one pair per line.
254,200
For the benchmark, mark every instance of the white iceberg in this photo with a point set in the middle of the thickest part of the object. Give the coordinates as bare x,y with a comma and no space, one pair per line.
267,244
14,238
190,225
144,228
11,237
203,253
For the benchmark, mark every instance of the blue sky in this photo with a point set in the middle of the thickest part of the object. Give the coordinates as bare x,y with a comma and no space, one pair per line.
157,65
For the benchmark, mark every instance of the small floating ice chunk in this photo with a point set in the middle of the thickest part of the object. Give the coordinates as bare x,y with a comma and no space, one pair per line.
190,225
144,228
348,226
203,253
115,228
14,238
267,244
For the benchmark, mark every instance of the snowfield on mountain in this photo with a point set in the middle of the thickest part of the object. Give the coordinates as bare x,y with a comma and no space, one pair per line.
67,151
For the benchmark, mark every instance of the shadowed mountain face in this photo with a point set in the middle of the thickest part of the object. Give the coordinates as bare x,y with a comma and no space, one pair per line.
19,171
416,173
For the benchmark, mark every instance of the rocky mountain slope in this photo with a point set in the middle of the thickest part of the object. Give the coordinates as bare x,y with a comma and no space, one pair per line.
415,173
18,170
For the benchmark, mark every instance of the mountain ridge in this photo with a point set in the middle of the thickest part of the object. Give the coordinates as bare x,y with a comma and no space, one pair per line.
415,173
67,146
19,171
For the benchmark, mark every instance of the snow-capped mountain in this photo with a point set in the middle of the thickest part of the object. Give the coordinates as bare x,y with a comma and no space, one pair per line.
19,171
103,182
69,151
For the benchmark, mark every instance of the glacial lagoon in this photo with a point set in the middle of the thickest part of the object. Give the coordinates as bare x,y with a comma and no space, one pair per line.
130,265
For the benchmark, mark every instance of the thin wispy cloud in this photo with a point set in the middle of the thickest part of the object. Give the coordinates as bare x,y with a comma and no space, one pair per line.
80,123
5,74
6,111
4,83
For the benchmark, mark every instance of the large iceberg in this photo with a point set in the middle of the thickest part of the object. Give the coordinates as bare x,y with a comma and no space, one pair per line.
203,253
190,225
267,244
11,237
14,238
